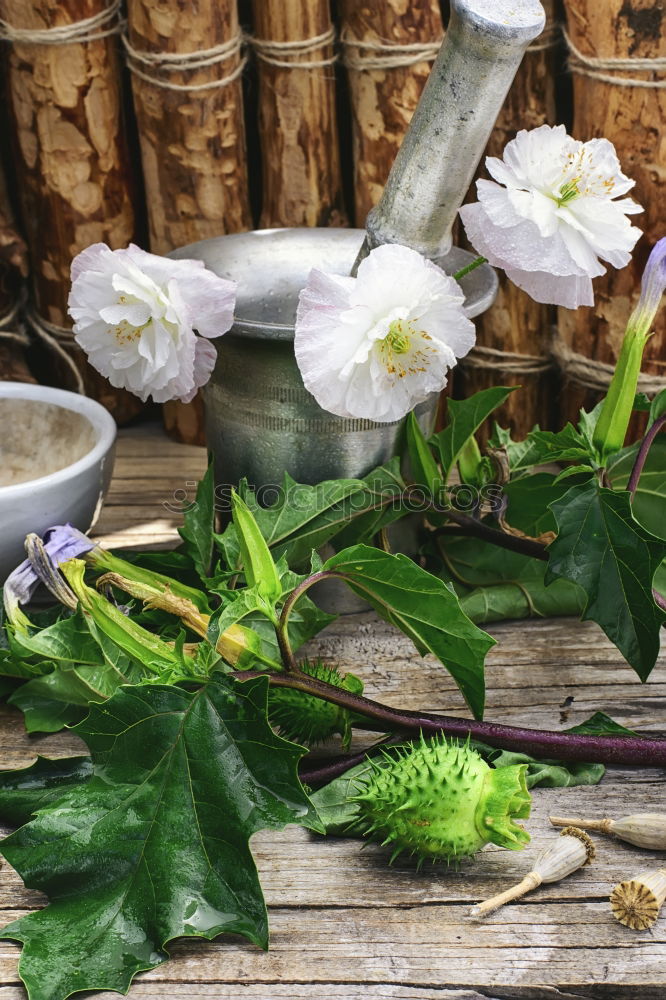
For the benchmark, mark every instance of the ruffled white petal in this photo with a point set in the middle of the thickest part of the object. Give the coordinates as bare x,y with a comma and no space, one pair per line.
376,345
135,315
554,210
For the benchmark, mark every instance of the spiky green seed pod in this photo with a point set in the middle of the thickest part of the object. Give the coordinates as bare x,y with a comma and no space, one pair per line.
441,801
306,719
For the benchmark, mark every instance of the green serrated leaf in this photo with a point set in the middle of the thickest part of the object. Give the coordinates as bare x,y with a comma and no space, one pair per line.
601,547
199,524
566,445
424,608
62,697
66,642
24,791
601,724
304,518
517,452
154,846
465,416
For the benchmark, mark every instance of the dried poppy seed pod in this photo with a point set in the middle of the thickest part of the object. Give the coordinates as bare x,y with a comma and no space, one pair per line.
641,829
571,851
636,903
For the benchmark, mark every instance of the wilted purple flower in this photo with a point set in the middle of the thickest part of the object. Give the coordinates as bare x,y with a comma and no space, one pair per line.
60,543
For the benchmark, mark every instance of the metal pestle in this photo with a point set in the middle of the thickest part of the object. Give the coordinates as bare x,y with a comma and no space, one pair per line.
483,47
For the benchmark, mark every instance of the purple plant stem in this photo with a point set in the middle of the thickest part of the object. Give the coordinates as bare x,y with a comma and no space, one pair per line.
618,750
643,451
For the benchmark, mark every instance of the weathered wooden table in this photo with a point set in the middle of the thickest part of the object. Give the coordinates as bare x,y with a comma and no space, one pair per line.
344,925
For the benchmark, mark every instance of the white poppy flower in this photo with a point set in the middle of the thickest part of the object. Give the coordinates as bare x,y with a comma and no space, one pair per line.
376,345
554,211
135,315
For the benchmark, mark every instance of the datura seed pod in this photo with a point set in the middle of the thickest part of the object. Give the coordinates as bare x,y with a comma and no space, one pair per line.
441,801
641,829
637,901
303,718
567,854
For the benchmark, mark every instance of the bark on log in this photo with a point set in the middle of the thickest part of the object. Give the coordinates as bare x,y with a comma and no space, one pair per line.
73,165
13,268
634,119
302,181
192,141
383,100
516,323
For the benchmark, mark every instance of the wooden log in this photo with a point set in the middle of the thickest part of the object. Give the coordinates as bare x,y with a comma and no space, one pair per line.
192,135
514,336
192,140
13,269
73,165
634,119
302,180
386,80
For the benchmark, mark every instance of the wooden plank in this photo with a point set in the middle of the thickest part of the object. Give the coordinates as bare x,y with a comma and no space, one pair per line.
345,926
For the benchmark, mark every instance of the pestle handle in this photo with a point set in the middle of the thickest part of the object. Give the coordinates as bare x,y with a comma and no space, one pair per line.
480,55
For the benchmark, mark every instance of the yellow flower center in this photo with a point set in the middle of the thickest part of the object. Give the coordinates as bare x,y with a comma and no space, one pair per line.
568,191
398,337
398,342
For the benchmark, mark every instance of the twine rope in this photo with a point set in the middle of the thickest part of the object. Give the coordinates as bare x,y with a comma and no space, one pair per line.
549,38
19,337
90,29
588,373
594,67
8,318
56,337
179,62
383,54
510,362
269,51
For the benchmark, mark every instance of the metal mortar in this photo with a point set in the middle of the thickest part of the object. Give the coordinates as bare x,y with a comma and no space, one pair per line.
260,420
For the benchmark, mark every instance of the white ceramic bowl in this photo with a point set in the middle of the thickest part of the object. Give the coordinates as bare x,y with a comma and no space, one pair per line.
56,460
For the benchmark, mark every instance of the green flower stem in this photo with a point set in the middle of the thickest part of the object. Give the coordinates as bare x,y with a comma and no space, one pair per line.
611,428
472,266
618,750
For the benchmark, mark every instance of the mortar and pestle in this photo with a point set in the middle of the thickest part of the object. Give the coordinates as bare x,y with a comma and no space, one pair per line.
260,420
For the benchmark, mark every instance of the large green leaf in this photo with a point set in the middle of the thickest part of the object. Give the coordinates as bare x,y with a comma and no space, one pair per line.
199,524
465,416
528,499
154,845
649,503
67,642
494,589
62,697
601,547
423,607
24,791
527,599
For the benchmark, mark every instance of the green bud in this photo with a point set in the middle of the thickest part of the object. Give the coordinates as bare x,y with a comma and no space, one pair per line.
306,719
258,563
